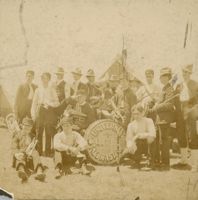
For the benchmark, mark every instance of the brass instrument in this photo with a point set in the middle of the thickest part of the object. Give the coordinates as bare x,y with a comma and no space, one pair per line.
116,110
29,150
12,123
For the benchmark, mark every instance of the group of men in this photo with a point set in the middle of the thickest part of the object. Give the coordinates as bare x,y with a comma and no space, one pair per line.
57,114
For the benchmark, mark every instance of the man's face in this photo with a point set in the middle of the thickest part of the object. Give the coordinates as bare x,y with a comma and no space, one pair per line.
81,98
67,127
76,77
29,77
149,78
59,76
137,115
186,75
45,80
27,129
91,79
164,79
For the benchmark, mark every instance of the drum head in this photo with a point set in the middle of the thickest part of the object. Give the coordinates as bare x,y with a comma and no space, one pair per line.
105,139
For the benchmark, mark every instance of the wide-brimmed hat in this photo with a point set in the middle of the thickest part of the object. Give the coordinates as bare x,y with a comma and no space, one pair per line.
77,71
188,68
59,70
27,121
165,71
90,73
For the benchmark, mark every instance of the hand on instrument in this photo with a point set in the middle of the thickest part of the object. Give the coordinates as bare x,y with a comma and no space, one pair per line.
74,150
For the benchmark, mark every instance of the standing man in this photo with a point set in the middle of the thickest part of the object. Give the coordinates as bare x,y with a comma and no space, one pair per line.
43,112
150,91
124,100
187,115
62,88
77,84
93,91
24,97
164,110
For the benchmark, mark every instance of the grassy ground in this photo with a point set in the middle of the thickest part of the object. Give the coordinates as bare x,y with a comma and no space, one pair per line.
104,182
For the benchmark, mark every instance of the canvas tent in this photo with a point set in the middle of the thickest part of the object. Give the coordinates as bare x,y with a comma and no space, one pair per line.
5,107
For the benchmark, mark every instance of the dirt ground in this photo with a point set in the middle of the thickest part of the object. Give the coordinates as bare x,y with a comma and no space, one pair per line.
104,182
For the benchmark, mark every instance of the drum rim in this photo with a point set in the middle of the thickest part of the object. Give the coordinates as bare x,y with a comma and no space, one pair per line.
86,137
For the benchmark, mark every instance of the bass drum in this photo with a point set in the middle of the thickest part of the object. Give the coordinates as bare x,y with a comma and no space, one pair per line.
106,141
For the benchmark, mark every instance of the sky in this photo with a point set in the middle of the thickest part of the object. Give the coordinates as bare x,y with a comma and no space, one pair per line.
90,34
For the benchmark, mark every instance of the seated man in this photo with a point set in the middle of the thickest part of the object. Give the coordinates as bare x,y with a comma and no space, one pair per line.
82,107
69,147
26,158
141,135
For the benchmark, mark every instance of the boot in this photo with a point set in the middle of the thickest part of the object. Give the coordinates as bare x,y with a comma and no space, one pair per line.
40,175
183,163
59,173
22,173
84,169
194,160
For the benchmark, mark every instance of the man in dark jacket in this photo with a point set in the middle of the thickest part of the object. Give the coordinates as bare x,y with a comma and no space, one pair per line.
62,88
24,97
124,100
92,88
77,84
164,110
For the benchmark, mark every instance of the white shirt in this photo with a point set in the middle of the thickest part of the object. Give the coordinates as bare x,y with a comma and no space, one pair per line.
46,96
63,141
145,127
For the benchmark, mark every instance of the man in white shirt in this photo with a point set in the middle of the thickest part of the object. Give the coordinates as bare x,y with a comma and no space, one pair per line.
43,112
69,147
140,136
150,91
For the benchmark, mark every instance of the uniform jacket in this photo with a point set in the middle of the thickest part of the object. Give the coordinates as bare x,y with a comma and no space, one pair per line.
63,90
92,90
165,110
79,87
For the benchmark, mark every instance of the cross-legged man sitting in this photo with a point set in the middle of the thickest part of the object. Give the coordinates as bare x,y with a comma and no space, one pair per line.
69,147
26,158
140,136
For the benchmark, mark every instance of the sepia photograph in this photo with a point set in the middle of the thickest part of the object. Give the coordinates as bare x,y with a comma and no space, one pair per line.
98,99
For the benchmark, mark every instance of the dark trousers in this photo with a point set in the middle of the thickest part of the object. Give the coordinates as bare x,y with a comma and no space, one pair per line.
163,144
46,121
65,160
192,131
144,148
